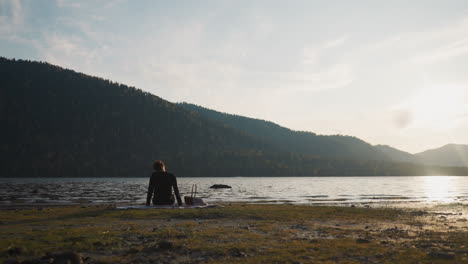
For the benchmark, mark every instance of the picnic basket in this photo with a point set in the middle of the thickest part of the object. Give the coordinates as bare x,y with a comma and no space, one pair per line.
192,199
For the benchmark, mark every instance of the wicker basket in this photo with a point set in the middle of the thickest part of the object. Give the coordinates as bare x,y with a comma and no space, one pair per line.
192,199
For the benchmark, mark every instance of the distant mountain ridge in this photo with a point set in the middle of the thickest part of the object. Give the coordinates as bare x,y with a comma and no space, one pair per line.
60,123
398,155
285,139
331,146
448,155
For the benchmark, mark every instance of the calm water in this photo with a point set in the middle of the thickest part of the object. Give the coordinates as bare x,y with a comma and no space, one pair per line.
303,190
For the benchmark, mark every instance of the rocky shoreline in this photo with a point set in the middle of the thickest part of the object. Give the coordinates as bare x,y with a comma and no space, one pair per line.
247,233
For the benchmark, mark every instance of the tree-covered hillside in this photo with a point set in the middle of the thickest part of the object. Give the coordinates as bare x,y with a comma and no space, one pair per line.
448,155
60,123
294,141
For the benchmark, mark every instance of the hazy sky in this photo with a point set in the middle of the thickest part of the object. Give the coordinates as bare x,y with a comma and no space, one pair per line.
388,72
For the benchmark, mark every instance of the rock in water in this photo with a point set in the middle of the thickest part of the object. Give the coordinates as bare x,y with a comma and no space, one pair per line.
220,186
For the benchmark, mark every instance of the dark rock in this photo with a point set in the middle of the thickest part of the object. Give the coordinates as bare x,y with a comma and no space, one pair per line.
150,249
196,254
220,186
67,258
16,251
362,241
132,251
11,261
442,255
99,244
31,261
418,213
235,252
165,245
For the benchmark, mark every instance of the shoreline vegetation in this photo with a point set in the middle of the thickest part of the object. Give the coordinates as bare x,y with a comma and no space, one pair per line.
234,233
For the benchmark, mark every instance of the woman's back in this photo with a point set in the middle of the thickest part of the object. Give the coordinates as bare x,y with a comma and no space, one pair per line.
160,185
163,182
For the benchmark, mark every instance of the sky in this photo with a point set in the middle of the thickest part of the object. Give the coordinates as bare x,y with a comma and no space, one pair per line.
388,72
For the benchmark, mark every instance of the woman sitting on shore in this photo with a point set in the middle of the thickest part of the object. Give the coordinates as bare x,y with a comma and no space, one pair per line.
161,184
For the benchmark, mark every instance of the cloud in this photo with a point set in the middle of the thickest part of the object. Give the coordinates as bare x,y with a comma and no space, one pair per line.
64,50
448,51
68,4
426,47
12,16
335,76
336,42
88,4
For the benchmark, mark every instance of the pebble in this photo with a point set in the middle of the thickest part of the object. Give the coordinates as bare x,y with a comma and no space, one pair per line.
362,241
133,251
442,255
16,251
69,257
235,252
11,261
165,245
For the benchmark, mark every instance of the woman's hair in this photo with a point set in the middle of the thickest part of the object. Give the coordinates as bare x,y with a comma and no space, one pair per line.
159,165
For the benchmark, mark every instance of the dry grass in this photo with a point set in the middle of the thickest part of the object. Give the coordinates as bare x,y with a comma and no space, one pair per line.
236,233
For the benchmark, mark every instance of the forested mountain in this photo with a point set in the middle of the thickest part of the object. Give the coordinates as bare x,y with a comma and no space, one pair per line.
398,155
60,123
448,155
294,141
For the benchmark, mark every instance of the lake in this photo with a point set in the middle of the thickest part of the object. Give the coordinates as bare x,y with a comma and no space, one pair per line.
400,190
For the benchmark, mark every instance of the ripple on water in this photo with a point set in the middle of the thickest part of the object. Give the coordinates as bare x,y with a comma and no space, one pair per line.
262,189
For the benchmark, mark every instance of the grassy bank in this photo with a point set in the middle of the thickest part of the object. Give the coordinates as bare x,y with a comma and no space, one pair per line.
236,233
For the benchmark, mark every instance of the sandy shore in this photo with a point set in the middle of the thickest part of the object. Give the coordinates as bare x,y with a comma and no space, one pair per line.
235,233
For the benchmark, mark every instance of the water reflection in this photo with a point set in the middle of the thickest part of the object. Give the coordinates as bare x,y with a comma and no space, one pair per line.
440,188
303,190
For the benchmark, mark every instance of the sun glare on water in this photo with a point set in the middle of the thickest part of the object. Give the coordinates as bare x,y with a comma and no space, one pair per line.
438,188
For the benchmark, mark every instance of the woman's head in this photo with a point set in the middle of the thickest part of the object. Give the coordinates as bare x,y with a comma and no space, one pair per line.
159,165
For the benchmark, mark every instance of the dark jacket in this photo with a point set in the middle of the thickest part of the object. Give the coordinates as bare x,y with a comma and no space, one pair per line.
161,185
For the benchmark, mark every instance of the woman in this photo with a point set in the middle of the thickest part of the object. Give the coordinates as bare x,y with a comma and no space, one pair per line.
161,184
